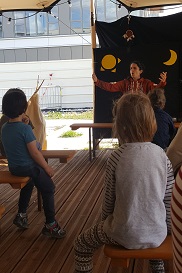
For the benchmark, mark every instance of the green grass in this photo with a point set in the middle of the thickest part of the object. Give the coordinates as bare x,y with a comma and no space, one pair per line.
88,115
70,133
69,115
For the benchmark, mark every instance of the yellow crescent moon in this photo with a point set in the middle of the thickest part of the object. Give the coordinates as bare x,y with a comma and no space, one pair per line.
172,59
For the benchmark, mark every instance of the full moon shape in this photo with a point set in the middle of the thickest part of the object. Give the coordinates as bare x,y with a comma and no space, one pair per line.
109,61
172,59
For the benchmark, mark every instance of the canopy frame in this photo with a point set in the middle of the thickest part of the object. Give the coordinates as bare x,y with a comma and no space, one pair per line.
132,5
28,5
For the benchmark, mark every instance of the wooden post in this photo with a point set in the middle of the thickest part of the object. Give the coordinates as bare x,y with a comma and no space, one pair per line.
93,41
93,33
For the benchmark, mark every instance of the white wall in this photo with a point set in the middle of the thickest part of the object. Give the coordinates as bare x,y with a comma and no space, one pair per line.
45,41
73,76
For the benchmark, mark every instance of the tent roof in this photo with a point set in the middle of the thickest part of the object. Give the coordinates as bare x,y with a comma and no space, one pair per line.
37,5
141,4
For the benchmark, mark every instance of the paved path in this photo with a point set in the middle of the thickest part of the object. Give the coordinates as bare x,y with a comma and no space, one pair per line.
54,129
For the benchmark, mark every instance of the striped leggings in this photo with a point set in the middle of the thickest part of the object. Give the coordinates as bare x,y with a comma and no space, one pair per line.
93,238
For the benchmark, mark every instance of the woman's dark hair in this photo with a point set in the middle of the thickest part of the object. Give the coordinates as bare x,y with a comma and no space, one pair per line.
14,103
139,64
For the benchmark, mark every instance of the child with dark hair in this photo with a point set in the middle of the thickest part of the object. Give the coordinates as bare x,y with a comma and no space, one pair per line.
138,186
134,84
24,159
5,119
165,126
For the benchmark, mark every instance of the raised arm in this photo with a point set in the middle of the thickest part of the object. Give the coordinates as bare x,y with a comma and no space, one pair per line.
151,85
94,77
163,77
108,86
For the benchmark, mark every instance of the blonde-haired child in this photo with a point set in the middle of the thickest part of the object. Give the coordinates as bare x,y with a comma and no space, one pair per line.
138,185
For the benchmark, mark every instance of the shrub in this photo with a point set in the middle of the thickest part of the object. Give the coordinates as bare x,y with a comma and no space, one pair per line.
69,115
70,134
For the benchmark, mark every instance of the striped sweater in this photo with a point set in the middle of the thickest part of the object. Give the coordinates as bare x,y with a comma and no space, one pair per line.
138,187
176,220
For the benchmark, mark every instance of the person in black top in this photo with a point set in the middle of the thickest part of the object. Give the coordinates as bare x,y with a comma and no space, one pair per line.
165,126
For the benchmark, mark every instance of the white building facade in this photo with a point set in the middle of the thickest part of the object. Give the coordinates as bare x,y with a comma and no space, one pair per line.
55,47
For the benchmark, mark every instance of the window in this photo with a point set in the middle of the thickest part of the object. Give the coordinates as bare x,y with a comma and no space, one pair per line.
1,31
42,23
30,23
53,23
80,16
108,10
111,11
86,16
19,23
100,10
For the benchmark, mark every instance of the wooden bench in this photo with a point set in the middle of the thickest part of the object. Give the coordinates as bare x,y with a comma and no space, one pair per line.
18,182
91,126
63,155
120,257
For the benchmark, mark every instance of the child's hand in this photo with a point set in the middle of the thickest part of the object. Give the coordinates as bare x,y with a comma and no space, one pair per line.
25,119
49,171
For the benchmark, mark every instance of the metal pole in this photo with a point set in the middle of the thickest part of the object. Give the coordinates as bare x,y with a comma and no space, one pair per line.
93,41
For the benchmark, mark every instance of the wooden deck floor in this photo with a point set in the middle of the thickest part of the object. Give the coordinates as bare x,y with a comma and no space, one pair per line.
78,200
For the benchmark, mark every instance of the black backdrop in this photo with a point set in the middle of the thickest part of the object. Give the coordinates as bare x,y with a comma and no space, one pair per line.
153,39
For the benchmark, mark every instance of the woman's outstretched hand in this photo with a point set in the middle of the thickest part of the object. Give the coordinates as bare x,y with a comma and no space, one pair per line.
94,77
163,76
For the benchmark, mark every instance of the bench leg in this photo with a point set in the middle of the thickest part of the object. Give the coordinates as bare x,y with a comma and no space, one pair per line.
93,143
96,143
133,266
39,198
90,145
